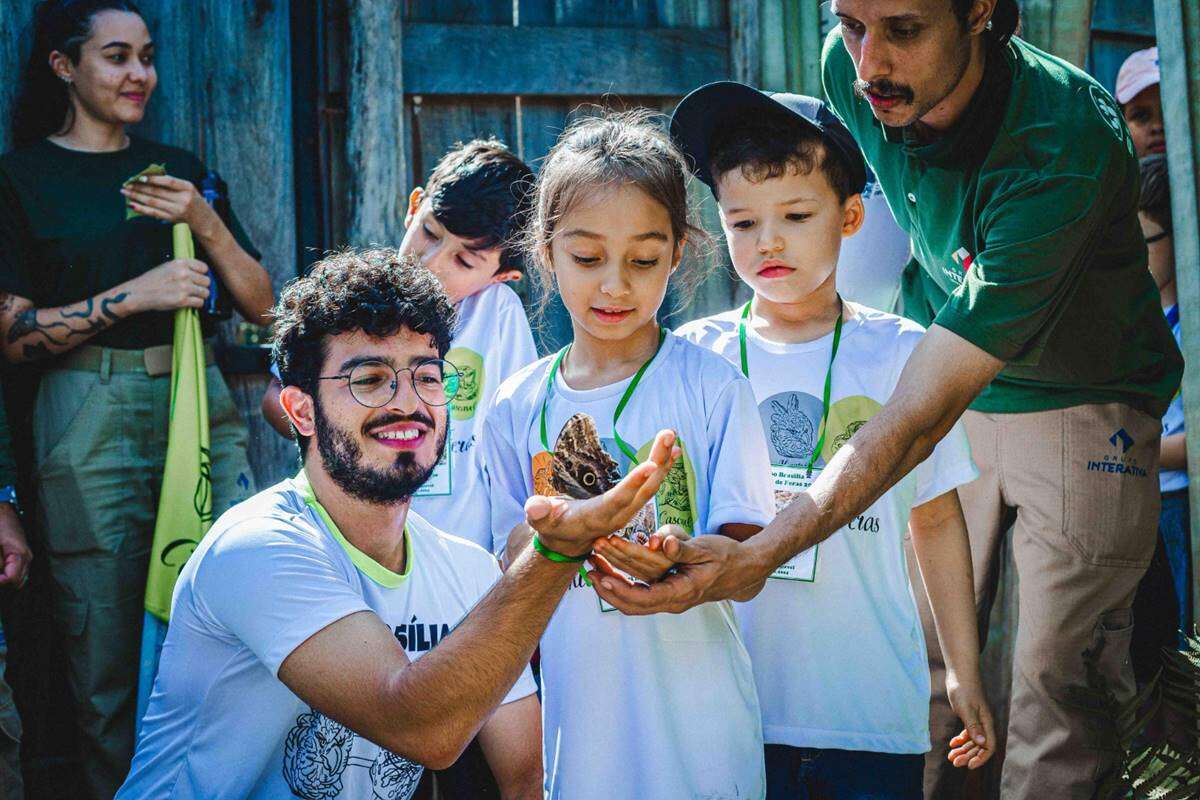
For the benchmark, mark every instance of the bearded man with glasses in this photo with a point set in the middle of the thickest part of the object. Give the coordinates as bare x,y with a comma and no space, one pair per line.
326,642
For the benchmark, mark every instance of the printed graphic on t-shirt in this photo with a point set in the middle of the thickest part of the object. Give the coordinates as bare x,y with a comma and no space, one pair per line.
471,381
318,753
846,416
792,422
1110,114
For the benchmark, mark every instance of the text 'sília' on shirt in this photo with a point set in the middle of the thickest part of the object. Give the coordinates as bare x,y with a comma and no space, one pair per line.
1024,219
64,237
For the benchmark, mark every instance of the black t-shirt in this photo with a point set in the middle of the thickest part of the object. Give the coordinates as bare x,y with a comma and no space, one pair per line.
64,236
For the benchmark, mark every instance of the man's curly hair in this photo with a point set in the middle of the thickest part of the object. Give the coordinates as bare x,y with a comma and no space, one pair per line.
375,291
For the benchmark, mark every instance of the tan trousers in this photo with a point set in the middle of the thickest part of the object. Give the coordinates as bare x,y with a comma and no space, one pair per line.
1079,489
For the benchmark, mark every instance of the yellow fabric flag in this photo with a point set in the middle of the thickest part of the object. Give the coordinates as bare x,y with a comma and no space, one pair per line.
185,504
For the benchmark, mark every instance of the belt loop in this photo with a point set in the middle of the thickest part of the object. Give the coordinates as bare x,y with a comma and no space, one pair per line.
105,364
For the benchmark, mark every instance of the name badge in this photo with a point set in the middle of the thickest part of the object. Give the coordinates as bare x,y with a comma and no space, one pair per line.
788,483
440,483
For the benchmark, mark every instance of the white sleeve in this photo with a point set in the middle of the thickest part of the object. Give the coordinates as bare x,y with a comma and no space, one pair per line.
948,466
517,350
739,471
272,590
505,472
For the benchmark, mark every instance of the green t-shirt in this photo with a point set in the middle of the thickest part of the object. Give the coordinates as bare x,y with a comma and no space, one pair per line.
64,236
1024,220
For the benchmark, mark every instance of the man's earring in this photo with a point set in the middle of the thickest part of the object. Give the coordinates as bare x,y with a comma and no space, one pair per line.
988,27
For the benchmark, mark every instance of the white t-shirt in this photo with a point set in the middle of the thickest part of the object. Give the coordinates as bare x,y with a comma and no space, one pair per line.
662,705
492,342
270,574
836,642
872,261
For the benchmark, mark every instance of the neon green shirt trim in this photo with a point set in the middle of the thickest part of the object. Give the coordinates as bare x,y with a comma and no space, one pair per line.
365,564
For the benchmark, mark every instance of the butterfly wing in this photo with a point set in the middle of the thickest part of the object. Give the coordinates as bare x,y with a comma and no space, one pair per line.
581,467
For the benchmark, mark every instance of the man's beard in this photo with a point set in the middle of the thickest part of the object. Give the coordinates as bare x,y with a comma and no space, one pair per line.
342,458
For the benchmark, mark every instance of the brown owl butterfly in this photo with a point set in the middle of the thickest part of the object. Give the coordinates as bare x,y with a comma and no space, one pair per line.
581,468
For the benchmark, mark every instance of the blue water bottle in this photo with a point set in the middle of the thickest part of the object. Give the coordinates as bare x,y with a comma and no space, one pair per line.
212,189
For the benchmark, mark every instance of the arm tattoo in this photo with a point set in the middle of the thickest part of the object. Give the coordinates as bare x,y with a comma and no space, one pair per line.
56,334
27,323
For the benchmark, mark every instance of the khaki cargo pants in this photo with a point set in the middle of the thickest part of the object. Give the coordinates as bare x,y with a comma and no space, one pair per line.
1079,489
100,437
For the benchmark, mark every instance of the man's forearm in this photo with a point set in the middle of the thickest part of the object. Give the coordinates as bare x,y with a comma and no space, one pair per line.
880,454
451,690
929,399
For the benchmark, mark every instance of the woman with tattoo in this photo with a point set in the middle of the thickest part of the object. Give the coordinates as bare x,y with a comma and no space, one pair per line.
88,291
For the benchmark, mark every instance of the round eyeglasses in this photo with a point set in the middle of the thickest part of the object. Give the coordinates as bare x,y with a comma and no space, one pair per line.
374,383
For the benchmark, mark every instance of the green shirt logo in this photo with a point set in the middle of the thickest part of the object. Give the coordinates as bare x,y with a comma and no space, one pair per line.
1109,113
470,389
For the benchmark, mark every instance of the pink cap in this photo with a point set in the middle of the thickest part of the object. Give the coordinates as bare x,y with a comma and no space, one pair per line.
1139,71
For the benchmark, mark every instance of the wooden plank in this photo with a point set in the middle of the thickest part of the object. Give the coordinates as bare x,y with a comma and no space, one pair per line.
745,36
245,100
493,12
438,122
1060,27
1178,26
693,14
552,61
15,40
1124,17
172,115
375,136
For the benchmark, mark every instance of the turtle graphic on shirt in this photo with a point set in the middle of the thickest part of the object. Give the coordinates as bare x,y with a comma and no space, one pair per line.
318,751
315,756
792,432
393,777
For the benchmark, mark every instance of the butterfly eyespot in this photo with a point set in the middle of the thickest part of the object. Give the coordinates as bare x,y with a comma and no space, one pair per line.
589,479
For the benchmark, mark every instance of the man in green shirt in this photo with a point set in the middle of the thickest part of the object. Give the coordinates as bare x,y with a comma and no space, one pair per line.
1014,175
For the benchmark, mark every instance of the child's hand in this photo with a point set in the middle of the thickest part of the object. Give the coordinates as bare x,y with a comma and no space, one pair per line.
645,562
976,743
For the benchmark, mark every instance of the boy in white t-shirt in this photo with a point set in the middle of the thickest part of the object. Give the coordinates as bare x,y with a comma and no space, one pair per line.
462,227
835,636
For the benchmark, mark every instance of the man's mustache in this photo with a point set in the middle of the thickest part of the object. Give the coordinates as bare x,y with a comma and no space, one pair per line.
392,419
884,88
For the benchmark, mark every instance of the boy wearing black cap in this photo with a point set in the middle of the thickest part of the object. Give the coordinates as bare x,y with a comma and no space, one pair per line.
846,713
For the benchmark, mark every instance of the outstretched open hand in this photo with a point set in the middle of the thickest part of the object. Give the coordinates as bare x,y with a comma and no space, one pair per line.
572,526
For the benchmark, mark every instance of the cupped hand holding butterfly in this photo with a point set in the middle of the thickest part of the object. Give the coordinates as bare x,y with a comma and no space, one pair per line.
572,526
645,562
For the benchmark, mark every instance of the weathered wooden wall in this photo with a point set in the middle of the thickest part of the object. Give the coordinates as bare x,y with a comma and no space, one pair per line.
520,71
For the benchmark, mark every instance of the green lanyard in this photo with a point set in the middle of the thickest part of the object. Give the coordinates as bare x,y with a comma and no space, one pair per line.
837,338
629,452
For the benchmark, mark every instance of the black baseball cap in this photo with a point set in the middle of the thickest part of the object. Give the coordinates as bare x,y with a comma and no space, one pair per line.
716,106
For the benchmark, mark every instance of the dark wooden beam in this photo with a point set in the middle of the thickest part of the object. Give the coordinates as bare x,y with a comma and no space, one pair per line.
494,59
376,139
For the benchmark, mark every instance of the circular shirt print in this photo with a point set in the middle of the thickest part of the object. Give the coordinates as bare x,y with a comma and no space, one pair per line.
846,416
792,421
470,384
